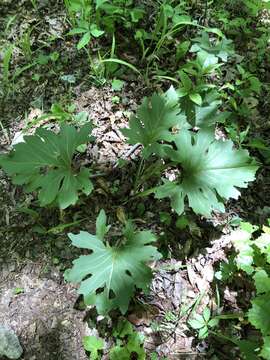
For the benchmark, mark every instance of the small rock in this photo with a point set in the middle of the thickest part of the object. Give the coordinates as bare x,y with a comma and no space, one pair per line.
9,344
32,329
65,323
54,323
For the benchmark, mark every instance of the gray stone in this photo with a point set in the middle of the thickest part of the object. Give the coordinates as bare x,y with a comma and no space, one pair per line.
9,344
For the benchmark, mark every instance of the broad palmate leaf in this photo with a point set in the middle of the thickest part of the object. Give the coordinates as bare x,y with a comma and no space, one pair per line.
210,170
109,274
43,162
154,119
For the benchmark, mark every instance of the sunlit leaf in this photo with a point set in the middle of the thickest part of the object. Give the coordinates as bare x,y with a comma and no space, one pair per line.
212,170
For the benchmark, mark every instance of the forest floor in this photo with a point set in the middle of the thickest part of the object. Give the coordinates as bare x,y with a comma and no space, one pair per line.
41,307
45,312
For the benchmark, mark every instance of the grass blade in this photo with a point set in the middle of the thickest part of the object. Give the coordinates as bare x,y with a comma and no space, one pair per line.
122,62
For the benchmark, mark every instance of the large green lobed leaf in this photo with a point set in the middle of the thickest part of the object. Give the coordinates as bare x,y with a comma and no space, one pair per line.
154,119
108,275
211,171
43,162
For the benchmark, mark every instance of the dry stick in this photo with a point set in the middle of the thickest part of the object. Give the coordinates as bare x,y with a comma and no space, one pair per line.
132,149
129,152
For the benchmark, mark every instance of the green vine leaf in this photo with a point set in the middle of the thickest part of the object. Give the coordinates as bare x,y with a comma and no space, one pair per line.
262,281
242,242
263,243
211,170
259,314
43,162
251,259
265,352
109,274
248,349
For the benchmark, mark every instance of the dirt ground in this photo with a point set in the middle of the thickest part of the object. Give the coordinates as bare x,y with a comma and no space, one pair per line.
42,314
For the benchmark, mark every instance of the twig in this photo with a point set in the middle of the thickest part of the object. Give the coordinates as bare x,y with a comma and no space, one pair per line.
131,150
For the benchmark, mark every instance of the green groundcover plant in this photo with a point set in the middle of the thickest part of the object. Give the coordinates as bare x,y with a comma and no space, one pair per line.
209,170
109,275
43,163
128,343
252,259
221,76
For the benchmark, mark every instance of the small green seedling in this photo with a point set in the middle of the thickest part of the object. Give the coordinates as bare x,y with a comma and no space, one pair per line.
117,85
18,290
203,322
94,346
88,31
128,343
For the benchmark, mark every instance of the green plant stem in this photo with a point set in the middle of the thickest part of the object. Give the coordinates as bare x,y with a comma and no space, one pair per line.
218,297
229,316
6,66
4,132
61,215
139,174
144,51
196,303
113,47
34,4
92,65
223,337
